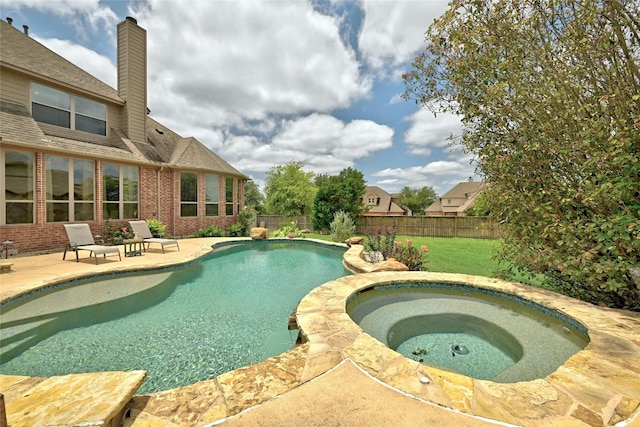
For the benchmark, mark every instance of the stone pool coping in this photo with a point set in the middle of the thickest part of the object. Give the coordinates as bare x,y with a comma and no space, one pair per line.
598,386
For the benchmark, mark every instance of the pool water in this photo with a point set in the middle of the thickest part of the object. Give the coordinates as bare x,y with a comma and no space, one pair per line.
484,360
184,325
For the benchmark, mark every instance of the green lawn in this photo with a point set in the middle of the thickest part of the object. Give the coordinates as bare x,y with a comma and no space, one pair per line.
455,255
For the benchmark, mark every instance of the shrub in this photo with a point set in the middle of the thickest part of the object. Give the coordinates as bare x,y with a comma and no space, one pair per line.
156,227
383,240
342,227
115,234
246,219
237,229
411,256
287,228
210,231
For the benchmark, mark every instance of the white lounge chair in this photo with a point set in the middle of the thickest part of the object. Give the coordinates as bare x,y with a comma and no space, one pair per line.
141,229
81,239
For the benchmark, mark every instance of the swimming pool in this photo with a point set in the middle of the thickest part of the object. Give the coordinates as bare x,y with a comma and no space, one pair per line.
227,310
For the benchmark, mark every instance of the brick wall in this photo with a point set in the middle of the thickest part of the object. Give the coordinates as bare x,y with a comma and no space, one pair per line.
159,198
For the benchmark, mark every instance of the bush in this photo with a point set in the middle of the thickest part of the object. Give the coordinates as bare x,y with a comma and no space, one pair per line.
342,227
115,234
210,231
383,241
237,230
288,228
411,256
156,227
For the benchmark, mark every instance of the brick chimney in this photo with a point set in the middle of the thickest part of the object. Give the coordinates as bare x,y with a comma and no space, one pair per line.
132,77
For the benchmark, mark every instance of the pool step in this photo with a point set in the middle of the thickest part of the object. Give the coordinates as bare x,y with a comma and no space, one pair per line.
96,399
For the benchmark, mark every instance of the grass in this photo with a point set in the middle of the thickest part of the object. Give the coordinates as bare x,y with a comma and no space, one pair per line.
457,255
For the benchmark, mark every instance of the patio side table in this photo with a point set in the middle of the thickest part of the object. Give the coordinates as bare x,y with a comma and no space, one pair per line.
133,247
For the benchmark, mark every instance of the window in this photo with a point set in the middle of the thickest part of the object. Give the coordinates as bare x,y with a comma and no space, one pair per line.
69,189
18,188
372,200
59,108
212,198
120,185
229,196
188,194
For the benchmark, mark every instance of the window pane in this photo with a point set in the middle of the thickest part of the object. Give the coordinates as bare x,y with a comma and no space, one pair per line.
212,209
52,116
49,96
130,183
111,183
188,210
57,175
90,108
19,212
83,211
89,124
82,180
212,189
18,176
111,211
229,211
188,187
57,212
229,189
130,211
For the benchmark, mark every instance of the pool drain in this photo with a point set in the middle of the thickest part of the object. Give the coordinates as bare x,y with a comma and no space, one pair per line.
459,349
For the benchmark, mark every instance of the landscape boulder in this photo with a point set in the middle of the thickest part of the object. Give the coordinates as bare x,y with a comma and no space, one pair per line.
354,241
391,264
259,233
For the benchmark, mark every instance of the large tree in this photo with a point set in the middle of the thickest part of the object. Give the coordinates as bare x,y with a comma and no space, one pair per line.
338,193
549,92
417,199
290,190
253,198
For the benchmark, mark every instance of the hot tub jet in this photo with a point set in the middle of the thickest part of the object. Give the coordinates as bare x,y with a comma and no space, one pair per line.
459,349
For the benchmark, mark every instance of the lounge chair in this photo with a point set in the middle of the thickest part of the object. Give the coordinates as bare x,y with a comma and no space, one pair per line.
81,239
141,229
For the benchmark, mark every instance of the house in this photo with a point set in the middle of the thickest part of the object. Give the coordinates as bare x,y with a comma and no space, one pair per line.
457,200
378,202
73,149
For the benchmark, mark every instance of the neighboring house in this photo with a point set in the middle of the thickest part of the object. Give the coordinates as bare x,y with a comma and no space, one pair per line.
378,202
457,200
73,149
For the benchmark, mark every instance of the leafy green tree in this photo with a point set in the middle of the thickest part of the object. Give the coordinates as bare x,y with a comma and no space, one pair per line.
417,199
253,197
337,193
290,190
481,206
549,93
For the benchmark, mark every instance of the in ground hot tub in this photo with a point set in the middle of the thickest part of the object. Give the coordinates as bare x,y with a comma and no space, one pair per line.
480,333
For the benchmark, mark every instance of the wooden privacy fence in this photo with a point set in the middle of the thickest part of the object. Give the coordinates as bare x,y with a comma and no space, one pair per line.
272,222
478,227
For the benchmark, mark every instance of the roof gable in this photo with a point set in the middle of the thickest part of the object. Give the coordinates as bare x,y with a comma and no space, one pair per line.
464,190
21,52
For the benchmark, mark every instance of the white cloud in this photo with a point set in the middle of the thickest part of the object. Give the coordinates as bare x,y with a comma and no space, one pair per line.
78,13
246,60
393,31
428,131
440,174
323,143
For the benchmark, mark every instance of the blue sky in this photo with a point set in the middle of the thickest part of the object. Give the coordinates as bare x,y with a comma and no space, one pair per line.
263,83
